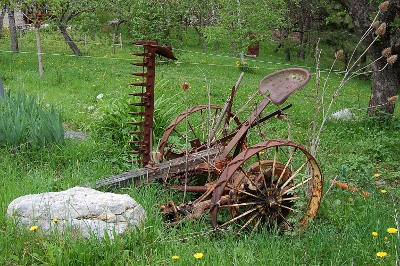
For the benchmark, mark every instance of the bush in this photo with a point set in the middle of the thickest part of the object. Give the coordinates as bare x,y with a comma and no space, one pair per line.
25,122
113,117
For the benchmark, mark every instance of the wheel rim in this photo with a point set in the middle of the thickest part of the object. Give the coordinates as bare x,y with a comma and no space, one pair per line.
272,184
201,121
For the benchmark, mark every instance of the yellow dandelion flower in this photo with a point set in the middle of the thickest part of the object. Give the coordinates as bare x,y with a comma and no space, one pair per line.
381,254
392,230
55,220
175,257
351,201
374,234
34,228
198,255
383,191
377,175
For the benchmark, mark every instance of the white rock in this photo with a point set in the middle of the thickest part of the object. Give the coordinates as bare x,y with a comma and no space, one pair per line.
79,209
344,114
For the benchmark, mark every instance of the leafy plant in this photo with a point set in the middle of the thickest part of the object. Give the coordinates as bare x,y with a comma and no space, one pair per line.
25,121
113,119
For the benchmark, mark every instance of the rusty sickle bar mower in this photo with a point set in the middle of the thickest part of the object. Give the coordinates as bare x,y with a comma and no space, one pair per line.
204,152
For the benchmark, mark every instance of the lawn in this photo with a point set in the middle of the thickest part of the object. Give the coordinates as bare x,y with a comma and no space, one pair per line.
362,153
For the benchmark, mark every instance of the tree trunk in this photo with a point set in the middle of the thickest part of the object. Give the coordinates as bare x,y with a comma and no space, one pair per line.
2,14
13,31
68,39
304,22
385,80
39,50
385,84
287,54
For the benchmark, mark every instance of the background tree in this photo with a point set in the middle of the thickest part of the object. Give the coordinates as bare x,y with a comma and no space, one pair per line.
65,11
155,20
13,30
243,22
385,78
3,12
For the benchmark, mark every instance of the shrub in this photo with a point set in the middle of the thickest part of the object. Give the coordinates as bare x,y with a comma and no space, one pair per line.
25,122
113,117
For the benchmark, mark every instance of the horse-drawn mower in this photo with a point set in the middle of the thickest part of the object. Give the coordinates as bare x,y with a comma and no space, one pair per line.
205,153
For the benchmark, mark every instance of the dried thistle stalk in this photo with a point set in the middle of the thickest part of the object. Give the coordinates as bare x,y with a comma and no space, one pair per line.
386,52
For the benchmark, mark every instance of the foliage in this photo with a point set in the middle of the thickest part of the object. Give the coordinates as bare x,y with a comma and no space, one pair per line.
26,122
111,119
245,21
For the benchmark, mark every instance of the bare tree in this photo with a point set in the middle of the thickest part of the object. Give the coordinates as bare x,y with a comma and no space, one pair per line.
385,77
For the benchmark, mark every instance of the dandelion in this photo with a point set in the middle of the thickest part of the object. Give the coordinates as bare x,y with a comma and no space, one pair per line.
175,257
100,96
392,230
386,52
381,254
34,228
198,255
351,201
390,60
55,220
377,175
383,191
381,30
384,6
374,234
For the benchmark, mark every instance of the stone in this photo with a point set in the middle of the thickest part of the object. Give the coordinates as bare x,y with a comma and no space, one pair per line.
344,114
79,209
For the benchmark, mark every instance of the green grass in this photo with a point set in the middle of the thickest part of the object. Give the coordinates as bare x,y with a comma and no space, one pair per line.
350,152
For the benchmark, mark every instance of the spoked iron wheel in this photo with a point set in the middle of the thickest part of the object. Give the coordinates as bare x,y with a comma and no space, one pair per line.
274,184
190,136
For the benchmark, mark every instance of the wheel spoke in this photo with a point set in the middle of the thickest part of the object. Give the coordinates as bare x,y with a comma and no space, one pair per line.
240,216
294,175
286,165
247,223
296,186
286,207
285,221
251,181
273,166
192,130
239,204
261,170
256,225
245,192
292,198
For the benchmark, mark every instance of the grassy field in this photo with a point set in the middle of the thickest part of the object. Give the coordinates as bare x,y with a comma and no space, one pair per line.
363,153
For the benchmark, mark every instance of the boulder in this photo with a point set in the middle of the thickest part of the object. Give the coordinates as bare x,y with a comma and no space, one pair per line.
79,209
344,114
